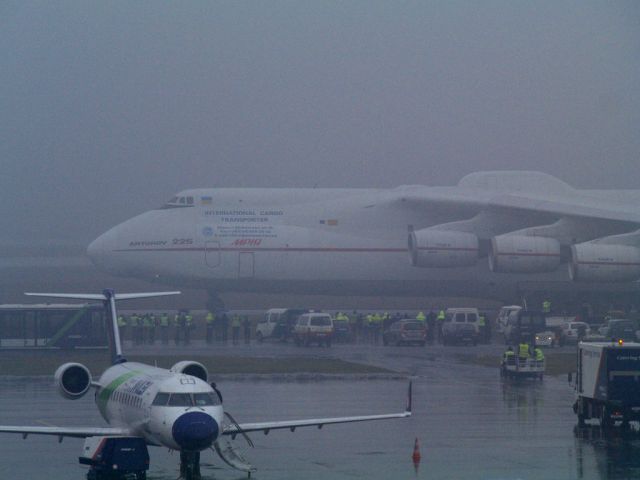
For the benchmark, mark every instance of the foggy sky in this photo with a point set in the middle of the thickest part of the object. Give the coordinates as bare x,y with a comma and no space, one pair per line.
109,108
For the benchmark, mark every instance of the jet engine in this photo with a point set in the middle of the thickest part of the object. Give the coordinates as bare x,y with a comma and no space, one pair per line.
194,369
434,248
593,262
522,254
73,380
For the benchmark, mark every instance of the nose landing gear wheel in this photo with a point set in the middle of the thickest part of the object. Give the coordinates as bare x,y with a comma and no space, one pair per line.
190,466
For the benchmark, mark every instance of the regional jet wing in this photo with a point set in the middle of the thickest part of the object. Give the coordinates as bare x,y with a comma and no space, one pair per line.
235,429
75,432
315,422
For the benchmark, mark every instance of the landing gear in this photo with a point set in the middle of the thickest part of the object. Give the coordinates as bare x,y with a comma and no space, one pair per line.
190,466
214,303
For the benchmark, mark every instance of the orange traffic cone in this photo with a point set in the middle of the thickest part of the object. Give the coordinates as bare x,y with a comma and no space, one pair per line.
416,453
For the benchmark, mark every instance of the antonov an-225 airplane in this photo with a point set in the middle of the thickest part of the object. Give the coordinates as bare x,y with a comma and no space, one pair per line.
408,240
176,408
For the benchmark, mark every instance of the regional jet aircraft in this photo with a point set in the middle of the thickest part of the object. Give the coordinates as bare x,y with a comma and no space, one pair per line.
175,408
495,234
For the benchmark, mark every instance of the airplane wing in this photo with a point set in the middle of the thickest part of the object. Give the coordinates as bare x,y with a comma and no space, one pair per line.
315,422
74,432
266,427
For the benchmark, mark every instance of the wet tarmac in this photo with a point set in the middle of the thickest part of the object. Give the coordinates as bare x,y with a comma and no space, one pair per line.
470,424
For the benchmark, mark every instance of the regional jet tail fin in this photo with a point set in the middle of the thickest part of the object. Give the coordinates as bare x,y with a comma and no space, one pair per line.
108,297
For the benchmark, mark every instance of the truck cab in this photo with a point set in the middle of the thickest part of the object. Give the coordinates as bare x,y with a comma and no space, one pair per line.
522,326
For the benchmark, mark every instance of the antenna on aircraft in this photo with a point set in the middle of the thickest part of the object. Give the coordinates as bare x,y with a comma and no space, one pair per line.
108,298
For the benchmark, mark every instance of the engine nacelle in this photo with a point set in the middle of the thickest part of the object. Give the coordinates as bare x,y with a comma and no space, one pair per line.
435,248
593,262
73,380
522,254
188,367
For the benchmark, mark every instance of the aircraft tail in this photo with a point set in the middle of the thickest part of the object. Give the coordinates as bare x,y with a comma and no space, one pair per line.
108,297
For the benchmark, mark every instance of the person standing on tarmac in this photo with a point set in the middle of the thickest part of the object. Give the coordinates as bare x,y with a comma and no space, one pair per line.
482,328
246,329
235,328
152,328
188,326
164,328
210,320
523,351
431,326
440,320
122,325
224,326
177,327
134,328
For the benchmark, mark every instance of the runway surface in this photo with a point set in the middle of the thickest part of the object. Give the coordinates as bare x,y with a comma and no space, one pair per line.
469,423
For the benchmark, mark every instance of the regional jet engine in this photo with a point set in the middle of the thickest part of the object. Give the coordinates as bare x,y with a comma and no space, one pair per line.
597,262
522,254
73,380
194,369
439,248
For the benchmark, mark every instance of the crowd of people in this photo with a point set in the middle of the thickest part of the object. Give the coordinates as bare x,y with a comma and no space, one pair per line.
350,327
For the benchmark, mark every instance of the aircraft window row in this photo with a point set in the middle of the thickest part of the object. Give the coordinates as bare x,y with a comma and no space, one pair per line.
127,399
204,399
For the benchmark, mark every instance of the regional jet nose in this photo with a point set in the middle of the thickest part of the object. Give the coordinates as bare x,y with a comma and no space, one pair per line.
195,431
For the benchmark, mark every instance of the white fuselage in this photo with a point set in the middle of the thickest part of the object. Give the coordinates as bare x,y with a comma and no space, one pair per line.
335,241
126,399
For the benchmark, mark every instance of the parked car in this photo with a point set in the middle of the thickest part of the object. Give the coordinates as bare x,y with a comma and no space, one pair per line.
405,332
573,332
460,326
278,323
313,328
620,329
545,339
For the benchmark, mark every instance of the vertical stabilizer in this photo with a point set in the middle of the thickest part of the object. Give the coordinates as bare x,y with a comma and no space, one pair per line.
108,298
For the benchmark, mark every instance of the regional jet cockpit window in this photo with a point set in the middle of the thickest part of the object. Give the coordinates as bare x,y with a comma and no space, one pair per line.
204,399
179,202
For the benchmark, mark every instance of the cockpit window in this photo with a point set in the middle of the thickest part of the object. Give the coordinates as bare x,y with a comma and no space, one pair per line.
179,202
204,399
161,399
180,400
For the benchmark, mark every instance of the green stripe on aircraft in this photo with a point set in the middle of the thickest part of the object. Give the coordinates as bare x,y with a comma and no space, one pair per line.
106,392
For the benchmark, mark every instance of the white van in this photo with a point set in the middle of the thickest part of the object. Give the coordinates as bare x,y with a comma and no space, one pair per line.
278,323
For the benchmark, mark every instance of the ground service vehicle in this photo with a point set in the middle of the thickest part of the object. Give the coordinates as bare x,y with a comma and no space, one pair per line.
573,332
278,323
545,339
460,326
503,316
517,368
523,325
405,332
619,328
342,331
608,383
313,328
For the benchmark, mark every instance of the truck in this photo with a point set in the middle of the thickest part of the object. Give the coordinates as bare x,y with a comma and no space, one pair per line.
607,383
522,326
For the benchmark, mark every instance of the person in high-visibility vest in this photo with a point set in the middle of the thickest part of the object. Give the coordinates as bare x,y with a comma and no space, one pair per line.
440,321
210,321
164,328
523,352
236,323
122,325
188,325
152,328
421,317
539,356
177,326
482,328
546,306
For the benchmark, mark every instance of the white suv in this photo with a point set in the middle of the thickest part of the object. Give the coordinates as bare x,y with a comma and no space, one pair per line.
313,328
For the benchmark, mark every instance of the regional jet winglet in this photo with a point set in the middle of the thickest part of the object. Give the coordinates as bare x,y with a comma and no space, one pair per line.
175,408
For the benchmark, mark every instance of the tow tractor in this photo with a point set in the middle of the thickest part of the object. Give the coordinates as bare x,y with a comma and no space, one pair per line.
519,368
607,383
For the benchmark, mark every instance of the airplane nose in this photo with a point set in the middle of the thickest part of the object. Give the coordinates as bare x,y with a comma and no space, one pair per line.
195,431
95,251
